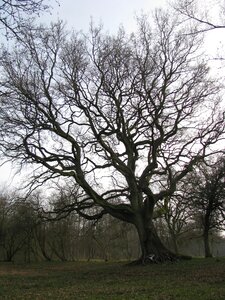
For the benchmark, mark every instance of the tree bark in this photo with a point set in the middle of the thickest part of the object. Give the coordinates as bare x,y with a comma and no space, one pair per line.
152,249
174,241
208,253
207,229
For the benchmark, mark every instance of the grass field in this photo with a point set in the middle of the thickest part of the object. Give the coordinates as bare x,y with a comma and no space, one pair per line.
190,280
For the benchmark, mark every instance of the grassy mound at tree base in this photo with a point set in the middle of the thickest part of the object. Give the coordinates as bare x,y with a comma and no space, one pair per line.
199,279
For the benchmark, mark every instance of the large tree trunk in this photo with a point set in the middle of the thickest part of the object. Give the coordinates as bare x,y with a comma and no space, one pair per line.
153,250
174,242
206,244
206,231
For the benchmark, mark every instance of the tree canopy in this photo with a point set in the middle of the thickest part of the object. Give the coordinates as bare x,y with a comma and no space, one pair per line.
124,117
14,14
207,197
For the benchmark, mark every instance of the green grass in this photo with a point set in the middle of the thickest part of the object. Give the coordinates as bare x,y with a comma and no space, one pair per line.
190,280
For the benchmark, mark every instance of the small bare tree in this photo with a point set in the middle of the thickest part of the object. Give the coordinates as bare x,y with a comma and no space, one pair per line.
175,213
206,196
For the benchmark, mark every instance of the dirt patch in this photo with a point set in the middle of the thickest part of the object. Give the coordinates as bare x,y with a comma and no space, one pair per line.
16,272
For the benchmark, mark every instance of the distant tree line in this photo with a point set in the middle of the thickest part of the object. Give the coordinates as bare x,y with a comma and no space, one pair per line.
26,235
190,223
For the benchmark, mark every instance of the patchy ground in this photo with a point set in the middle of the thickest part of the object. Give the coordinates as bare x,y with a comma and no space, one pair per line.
199,279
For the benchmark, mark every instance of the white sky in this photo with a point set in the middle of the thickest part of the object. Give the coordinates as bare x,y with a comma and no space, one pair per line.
112,14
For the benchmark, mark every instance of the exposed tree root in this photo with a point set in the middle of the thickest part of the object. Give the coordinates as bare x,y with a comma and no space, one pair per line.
159,259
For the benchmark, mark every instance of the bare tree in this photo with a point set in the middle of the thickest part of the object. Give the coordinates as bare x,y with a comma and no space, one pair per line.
15,14
175,213
17,221
124,117
207,197
193,10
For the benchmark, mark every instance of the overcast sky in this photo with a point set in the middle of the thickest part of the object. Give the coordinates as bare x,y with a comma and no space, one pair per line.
112,14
